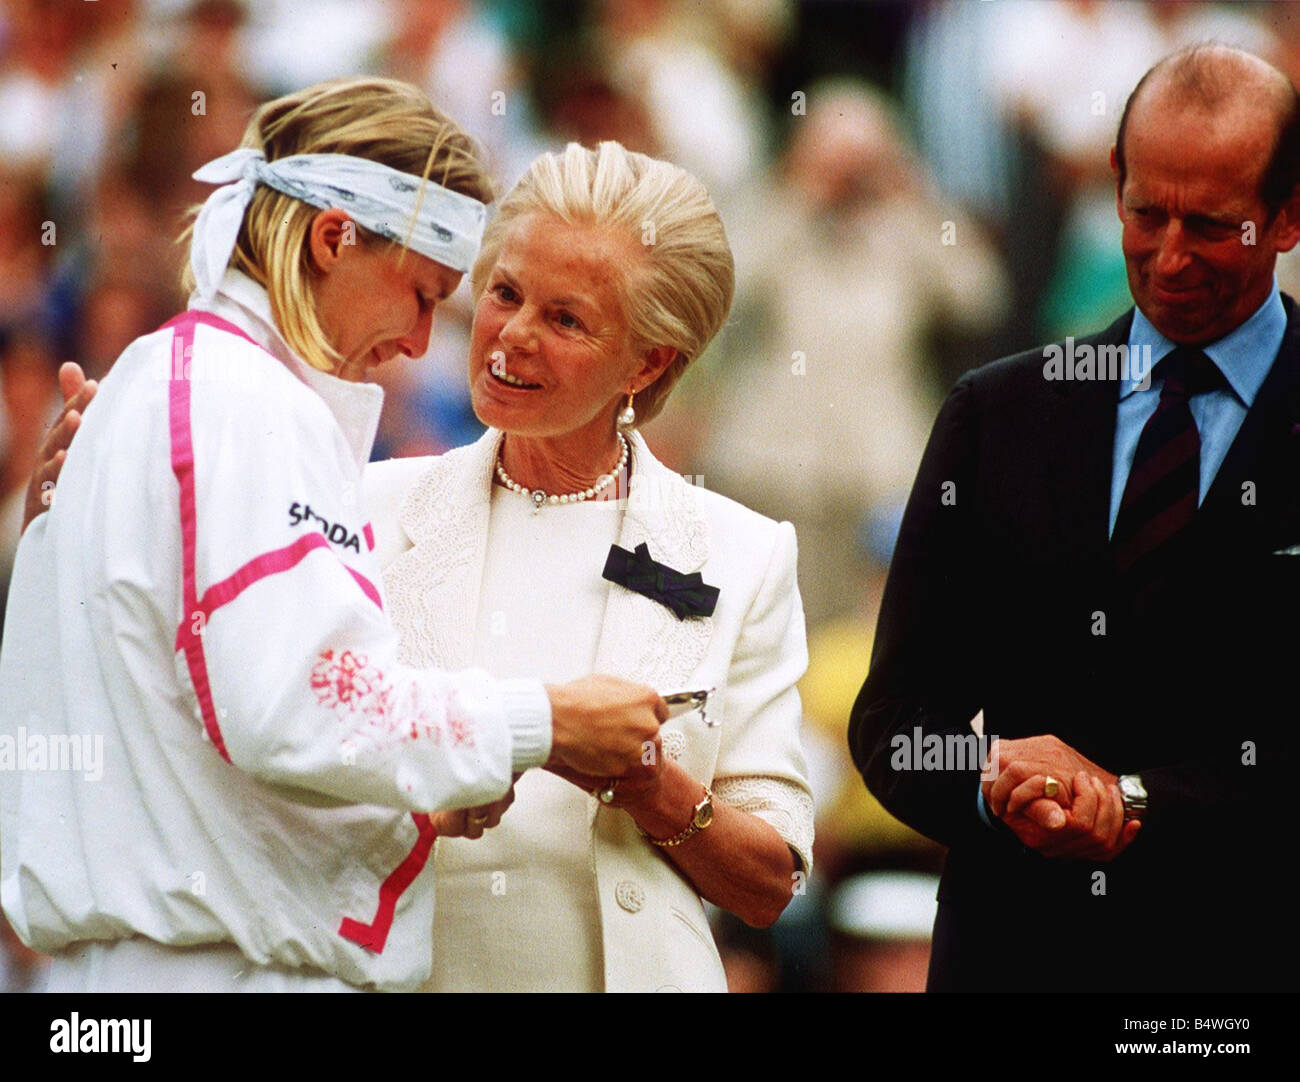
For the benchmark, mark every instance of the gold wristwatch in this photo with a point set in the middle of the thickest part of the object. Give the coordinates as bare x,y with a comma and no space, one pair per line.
700,820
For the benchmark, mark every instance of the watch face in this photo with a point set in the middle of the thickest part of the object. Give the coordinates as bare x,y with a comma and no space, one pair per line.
704,815
1132,787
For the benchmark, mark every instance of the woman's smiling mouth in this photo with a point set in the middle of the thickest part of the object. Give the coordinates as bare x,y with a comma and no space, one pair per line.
502,376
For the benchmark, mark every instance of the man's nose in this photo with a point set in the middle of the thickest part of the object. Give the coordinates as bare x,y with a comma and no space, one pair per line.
1173,253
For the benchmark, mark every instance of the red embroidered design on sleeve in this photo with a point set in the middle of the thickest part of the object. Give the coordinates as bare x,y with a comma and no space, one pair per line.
359,692
462,733
349,684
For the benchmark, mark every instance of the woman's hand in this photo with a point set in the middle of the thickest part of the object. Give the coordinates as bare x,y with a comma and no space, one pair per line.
472,822
639,787
738,862
77,393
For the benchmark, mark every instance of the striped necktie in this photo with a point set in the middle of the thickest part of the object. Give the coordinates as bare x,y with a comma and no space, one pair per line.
1160,497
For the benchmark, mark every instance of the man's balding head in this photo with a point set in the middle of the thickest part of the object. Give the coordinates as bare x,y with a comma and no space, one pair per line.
1219,81
1206,171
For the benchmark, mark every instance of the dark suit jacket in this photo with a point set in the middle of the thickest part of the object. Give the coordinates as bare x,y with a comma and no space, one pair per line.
993,603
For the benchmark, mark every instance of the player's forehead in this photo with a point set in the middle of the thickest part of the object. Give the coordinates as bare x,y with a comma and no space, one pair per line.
435,280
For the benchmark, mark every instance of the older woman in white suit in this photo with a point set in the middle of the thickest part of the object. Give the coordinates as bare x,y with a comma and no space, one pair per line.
602,276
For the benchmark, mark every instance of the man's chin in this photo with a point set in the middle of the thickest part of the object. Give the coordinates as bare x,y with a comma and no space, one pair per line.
1185,324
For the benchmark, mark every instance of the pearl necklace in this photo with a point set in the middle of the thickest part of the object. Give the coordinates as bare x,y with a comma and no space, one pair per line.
539,497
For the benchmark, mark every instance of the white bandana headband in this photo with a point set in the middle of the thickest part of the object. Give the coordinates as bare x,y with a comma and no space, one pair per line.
448,227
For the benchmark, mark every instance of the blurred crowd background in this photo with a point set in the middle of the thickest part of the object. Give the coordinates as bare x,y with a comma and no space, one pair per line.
911,189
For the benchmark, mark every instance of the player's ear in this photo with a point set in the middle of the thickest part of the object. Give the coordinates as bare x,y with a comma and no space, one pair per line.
331,233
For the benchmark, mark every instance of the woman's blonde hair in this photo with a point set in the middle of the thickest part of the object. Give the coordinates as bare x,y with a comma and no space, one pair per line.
383,120
681,293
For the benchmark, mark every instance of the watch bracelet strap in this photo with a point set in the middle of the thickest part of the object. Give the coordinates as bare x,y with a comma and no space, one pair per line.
1135,807
690,831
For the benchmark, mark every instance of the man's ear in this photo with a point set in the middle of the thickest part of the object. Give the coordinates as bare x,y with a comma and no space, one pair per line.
654,363
1286,227
331,231
1119,187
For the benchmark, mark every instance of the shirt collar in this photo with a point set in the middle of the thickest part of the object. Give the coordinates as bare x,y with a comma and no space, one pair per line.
355,406
1244,355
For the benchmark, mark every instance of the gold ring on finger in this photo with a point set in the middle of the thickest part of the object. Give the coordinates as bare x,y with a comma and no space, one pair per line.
1050,786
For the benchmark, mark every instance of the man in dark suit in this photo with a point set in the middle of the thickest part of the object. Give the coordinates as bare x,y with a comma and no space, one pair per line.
1107,564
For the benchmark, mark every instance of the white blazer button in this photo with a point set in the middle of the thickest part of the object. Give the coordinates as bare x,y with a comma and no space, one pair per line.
629,895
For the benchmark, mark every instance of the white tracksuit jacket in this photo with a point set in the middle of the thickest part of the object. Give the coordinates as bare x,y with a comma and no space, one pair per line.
202,601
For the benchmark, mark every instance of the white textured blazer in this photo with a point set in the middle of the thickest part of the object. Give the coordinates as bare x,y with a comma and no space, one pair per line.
431,520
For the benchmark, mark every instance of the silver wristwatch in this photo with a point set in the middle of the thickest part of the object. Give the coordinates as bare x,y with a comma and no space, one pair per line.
1134,795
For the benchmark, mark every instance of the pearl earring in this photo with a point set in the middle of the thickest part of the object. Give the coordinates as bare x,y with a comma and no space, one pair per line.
627,418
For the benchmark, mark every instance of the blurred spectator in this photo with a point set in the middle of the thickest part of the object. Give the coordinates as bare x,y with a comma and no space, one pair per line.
704,112
949,103
582,104
29,401
26,247
453,50
115,311
66,82
291,43
36,87
826,403
209,44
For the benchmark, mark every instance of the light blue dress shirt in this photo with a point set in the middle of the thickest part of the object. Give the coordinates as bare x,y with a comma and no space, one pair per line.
1244,357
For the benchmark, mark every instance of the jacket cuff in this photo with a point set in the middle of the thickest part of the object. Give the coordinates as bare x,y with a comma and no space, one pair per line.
527,710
